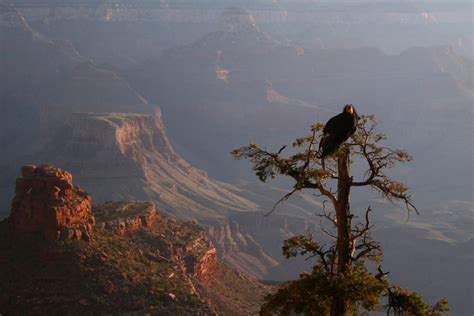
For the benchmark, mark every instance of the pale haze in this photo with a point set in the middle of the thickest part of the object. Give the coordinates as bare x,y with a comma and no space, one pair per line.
144,100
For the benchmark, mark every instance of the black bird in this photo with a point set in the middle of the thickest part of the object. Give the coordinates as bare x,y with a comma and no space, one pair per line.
337,130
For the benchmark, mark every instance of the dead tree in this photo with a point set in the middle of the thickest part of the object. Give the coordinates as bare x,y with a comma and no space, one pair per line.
352,241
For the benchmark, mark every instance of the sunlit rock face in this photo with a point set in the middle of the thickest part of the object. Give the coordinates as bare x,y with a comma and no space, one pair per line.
125,218
46,203
131,134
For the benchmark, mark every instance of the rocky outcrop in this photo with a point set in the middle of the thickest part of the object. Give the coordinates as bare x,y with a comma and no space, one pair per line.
203,266
47,203
123,218
170,268
199,257
192,252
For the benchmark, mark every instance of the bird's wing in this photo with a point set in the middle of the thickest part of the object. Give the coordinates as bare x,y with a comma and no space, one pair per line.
333,123
324,140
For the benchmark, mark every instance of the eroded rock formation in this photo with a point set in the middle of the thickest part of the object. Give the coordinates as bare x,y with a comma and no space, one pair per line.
198,258
183,243
127,218
47,203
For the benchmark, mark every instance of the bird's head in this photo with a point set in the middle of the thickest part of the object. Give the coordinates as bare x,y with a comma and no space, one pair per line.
349,108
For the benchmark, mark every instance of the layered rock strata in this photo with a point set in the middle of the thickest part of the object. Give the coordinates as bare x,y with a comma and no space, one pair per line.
130,217
128,156
47,204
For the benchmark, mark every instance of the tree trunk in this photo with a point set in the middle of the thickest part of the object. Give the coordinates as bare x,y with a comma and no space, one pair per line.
343,226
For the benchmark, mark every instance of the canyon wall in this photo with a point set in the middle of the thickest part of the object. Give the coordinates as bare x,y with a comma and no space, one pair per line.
123,156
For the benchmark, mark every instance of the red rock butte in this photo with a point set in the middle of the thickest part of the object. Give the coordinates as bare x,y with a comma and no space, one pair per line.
47,204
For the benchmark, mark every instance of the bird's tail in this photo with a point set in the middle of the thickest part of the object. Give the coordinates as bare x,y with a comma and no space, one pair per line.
321,156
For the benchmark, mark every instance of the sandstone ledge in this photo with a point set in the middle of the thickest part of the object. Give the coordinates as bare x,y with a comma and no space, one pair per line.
125,217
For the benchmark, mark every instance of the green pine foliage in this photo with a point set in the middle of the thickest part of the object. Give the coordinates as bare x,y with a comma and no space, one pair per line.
404,302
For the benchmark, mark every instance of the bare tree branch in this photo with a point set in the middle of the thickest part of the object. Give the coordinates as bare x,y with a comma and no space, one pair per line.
283,198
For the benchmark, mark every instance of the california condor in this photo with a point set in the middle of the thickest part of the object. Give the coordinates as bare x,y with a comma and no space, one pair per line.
337,130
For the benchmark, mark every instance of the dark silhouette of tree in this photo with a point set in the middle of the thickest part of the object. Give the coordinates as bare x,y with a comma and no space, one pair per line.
339,283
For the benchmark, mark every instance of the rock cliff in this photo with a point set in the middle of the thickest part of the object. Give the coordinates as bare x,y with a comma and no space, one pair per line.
197,258
122,156
47,203
193,253
137,261
124,218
